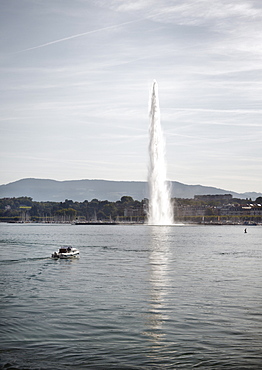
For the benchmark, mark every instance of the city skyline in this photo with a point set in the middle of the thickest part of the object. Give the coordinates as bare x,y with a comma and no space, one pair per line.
76,78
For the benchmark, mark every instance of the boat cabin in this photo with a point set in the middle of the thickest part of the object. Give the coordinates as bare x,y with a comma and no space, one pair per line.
64,250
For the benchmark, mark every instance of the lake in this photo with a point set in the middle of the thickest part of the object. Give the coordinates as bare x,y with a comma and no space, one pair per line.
139,297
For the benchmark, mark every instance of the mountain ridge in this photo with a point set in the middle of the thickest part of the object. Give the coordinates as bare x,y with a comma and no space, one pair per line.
88,189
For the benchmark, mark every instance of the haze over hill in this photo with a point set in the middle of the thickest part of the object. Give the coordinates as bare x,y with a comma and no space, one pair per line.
80,190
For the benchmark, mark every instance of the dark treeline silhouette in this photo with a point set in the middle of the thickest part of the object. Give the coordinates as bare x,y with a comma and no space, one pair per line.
24,209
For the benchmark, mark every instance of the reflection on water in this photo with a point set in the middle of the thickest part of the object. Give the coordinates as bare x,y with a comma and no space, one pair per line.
159,282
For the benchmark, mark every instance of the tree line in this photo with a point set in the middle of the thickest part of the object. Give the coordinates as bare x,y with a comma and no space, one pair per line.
13,209
25,208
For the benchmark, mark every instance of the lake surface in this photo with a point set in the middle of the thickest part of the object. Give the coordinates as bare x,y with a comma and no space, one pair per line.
139,297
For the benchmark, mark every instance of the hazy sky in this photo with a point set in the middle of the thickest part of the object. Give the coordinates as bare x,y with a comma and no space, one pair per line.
75,81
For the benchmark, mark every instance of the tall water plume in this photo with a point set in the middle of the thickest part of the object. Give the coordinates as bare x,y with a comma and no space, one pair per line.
160,210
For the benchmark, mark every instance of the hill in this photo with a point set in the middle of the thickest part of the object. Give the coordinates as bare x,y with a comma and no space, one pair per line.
80,190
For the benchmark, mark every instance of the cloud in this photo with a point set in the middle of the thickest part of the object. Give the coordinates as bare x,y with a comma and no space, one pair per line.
190,11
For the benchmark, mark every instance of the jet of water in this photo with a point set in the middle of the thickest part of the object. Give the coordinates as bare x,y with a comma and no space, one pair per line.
160,209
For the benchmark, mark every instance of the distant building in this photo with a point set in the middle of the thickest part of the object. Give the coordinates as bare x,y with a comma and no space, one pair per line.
215,197
256,210
240,210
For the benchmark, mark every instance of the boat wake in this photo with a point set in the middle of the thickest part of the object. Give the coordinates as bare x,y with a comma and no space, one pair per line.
22,260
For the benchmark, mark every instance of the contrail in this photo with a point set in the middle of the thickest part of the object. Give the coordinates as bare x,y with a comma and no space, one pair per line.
79,35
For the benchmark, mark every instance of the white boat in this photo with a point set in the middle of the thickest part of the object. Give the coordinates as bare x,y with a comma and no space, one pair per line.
66,252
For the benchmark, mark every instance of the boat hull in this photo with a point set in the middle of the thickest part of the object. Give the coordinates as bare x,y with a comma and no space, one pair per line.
64,256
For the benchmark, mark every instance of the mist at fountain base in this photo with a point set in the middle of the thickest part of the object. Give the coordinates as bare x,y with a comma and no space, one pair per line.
160,208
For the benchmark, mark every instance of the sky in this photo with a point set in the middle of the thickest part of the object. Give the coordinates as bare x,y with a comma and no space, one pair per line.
75,81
